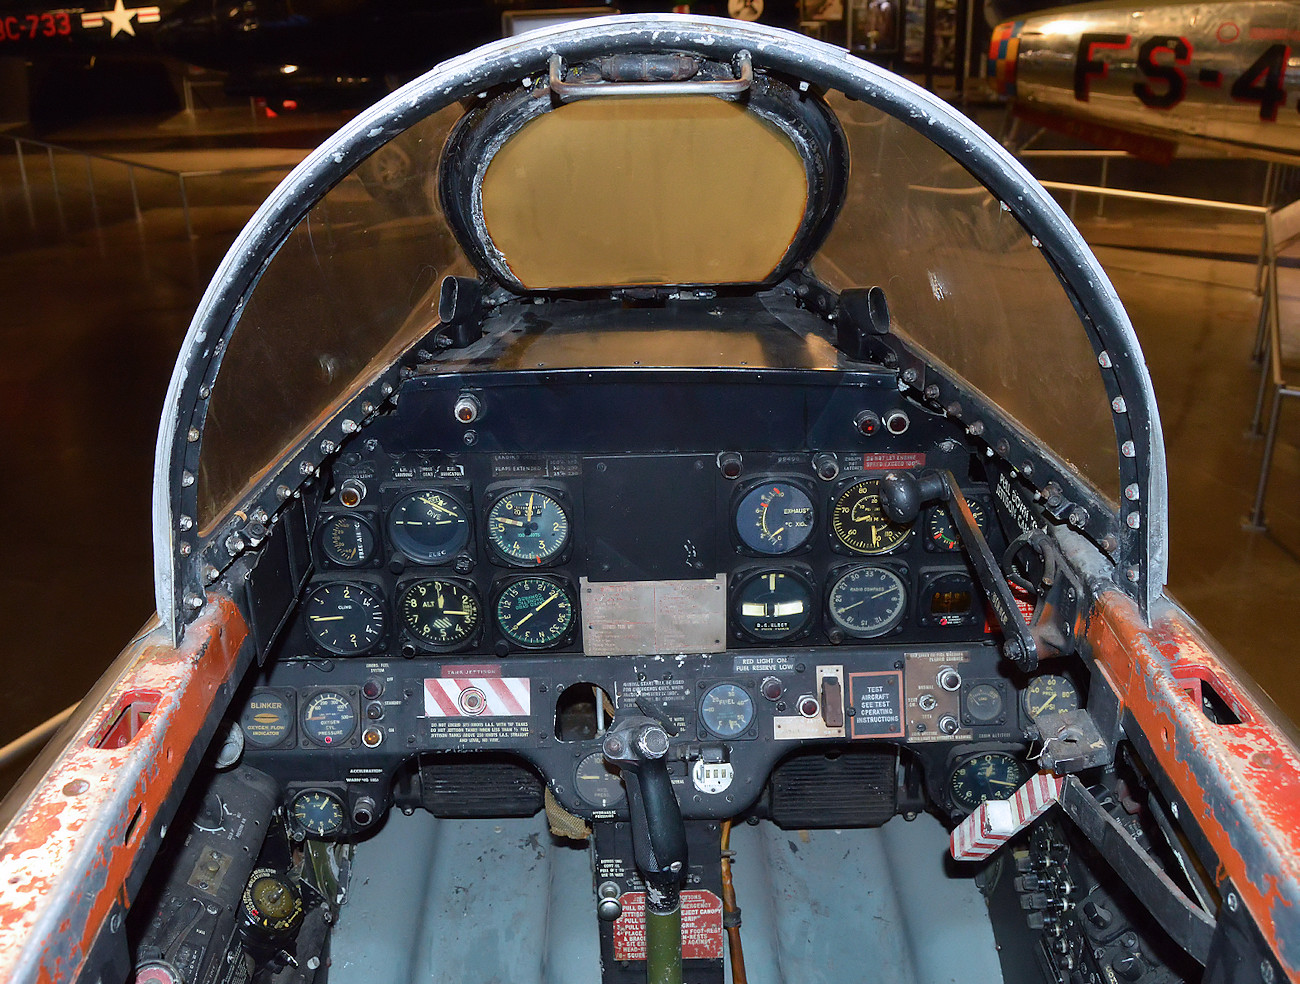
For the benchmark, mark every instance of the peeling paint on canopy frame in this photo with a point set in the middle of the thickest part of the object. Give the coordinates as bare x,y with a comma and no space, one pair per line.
1240,782
66,858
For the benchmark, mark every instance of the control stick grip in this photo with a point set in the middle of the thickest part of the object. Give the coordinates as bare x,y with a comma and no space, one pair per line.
638,746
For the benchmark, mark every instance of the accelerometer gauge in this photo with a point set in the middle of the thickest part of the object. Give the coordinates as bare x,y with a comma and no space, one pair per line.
328,718
727,710
859,523
1050,694
867,601
527,527
991,776
271,908
429,526
535,612
439,613
597,784
773,605
774,518
347,541
317,812
345,619
941,534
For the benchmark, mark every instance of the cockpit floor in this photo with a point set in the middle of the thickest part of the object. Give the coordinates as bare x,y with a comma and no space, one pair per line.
479,901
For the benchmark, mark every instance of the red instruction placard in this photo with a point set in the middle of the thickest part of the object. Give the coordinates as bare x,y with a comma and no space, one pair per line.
701,926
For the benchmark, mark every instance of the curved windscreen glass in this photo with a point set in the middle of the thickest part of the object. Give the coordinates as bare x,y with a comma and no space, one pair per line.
966,282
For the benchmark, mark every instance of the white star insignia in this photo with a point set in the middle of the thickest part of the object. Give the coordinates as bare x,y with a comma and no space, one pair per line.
120,18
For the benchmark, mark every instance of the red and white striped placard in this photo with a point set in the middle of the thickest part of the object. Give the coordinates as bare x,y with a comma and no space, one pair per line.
477,697
996,821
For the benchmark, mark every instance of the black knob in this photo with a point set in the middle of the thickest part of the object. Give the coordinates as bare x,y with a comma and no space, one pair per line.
903,494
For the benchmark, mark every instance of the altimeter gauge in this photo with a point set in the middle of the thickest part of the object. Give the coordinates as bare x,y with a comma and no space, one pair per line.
344,618
535,612
441,614
859,523
528,526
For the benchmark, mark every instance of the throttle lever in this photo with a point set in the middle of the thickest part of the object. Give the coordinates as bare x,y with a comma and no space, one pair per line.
903,495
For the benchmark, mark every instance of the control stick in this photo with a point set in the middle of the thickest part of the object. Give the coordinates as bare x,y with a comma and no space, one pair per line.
903,494
638,746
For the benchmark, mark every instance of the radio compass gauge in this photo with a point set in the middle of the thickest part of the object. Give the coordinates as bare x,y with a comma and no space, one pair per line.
597,784
991,776
345,619
859,523
773,605
727,710
940,533
347,541
430,526
535,612
867,601
774,518
438,613
317,813
328,718
528,527
1050,694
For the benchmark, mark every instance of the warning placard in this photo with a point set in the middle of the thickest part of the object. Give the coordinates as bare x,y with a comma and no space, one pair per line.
701,926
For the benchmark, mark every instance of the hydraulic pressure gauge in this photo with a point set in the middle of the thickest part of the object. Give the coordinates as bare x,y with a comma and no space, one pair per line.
535,612
867,601
774,518
528,527
345,619
859,523
429,526
597,784
773,605
347,541
441,614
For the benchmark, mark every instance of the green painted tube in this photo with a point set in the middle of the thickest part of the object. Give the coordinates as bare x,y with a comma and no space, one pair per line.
663,942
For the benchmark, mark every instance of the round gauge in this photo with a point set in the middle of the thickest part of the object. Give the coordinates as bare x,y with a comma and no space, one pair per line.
773,605
598,784
329,718
727,710
983,703
439,613
991,776
528,527
157,972
272,908
535,612
1050,695
774,518
867,601
345,619
429,526
940,533
267,719
948,599
317,812
347,541
859,523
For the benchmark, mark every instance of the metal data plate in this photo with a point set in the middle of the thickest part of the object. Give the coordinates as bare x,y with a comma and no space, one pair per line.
646,618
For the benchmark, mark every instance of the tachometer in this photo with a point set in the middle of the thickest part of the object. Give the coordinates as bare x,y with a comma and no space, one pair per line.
859,523
773,605
867,601
317,812
440,614
345,619
991,776
429,526
328,718
727,710
774,518
347,541
528,527
535,612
